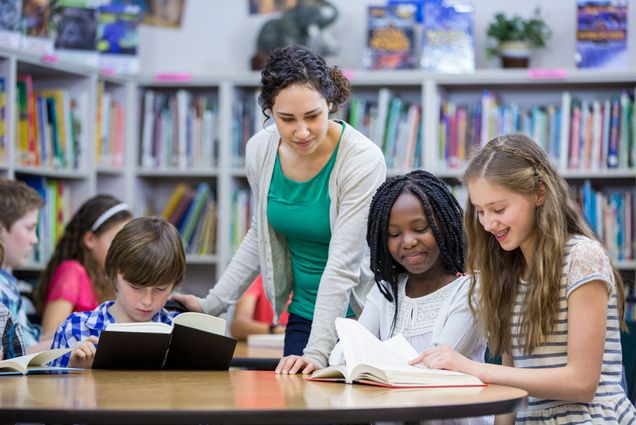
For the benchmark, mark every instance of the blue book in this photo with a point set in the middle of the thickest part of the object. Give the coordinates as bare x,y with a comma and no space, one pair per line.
391,37
448,42
601,34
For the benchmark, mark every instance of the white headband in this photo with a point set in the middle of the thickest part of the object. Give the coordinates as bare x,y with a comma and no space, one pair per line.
108,214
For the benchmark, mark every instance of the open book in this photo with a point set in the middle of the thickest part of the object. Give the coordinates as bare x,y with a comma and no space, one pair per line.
34,363
194,341
385,363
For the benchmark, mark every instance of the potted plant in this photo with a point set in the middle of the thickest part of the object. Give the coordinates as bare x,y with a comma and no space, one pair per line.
515,37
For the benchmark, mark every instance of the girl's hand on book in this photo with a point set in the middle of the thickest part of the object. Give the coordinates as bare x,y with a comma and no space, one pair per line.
442,357
290,365
190,301
84,353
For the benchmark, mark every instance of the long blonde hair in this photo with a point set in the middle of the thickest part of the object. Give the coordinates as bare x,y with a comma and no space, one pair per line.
516,163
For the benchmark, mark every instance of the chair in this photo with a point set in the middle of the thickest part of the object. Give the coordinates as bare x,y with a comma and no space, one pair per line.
628,343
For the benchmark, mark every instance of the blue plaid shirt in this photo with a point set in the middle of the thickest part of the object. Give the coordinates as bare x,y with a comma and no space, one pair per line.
12,345
10,297
80,326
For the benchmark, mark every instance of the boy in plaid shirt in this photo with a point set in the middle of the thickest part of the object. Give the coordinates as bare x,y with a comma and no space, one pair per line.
19,208
145,262
11,344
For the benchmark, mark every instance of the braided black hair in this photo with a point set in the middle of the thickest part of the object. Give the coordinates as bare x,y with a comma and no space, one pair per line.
444,215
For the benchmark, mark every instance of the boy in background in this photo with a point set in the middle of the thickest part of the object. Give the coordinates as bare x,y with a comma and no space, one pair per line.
19,207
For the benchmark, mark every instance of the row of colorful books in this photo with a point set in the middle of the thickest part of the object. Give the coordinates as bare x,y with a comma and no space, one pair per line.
193,212
110,129
610,213
241,214
3,117
48,131
98,33
180,130
576,134
393,123
247,120
53,216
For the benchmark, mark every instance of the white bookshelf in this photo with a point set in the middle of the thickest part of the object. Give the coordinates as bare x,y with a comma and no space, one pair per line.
149,188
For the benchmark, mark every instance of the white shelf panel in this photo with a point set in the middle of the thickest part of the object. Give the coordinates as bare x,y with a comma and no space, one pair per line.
50,172
202,260
177,172
102,169
626,264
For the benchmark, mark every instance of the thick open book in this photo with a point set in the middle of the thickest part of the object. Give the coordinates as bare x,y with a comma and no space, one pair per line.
34,363
194,341
385,363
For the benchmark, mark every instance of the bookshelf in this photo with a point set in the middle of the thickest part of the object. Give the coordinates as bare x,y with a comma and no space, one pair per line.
147,184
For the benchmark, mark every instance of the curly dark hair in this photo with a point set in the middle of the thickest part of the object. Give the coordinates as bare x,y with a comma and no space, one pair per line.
443,212
290,65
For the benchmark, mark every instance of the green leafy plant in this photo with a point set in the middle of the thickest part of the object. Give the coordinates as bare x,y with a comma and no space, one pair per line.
534,31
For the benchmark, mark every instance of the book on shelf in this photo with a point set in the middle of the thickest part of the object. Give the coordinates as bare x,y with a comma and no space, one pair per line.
448,42
391,34
194,341
35,363
384,363
266,341
601,34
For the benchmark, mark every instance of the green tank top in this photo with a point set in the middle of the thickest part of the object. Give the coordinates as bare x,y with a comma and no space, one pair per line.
300,211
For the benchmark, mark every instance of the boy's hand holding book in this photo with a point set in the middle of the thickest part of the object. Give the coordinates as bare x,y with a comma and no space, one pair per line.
84,353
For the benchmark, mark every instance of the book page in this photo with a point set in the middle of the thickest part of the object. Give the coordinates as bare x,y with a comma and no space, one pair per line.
145,327
361,346
202,322
36,359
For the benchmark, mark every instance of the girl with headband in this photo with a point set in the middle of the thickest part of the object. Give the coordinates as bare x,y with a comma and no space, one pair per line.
74,279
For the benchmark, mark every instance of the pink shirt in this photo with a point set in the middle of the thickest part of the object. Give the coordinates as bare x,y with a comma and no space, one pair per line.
71,282
264,311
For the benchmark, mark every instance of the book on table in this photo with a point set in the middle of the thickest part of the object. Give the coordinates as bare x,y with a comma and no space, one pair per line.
384,363
35,363
194,341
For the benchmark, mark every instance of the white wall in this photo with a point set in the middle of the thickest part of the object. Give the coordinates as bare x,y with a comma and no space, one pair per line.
219,36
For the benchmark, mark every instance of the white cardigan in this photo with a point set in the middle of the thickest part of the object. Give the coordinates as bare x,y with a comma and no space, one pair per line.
358,171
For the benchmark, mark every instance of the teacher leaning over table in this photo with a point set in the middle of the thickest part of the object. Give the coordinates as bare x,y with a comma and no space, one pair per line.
313,179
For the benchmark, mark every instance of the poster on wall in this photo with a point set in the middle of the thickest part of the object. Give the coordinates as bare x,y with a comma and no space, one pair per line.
76,29
10,11
118,37
259,7
36,16
164,13
601,34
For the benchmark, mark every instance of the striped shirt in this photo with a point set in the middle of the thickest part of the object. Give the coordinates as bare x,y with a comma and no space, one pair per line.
80,326
585,261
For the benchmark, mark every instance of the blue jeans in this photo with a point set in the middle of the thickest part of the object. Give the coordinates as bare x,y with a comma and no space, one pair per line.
296,335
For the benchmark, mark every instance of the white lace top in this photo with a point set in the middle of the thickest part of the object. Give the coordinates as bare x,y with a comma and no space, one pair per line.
440,318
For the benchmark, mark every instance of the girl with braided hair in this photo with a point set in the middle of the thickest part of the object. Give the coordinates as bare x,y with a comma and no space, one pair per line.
416,240
549,297
74,279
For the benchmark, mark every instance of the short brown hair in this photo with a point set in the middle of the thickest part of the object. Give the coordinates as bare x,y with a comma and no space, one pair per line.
16,200
147,252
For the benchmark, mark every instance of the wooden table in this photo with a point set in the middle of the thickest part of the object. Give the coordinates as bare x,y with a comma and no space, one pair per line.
247,357
237,396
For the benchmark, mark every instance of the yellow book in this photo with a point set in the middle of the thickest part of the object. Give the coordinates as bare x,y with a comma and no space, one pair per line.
174,200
